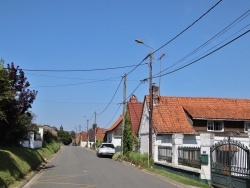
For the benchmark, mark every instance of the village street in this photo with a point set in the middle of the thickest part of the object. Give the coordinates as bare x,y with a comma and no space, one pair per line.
78,167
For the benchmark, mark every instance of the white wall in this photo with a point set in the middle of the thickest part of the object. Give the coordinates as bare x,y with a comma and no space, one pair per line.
144,144
83,144
117,141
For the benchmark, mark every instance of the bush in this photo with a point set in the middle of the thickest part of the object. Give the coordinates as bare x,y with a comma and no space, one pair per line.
135,158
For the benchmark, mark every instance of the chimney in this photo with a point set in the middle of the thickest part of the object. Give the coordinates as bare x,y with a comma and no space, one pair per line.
155,95
133,99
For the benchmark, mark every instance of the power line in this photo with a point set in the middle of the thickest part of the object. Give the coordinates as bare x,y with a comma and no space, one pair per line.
111,98
189,26
79,70
204,55
142,81
177,35
63,85
239,19
113,116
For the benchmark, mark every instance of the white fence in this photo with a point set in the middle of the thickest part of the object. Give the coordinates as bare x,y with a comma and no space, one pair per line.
176,141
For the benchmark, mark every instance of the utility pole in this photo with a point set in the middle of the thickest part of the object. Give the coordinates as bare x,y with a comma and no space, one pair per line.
87,133
80,135
150,105
95,129
124,110
150,99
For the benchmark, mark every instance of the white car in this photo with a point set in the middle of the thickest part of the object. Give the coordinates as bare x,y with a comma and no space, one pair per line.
106,149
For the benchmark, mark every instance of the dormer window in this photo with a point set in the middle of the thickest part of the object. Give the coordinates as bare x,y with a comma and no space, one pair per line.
217,126
246,126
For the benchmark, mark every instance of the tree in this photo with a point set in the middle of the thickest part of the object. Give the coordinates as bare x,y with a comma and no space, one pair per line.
73,134
128,137
16,100
5,91
64,137
94,126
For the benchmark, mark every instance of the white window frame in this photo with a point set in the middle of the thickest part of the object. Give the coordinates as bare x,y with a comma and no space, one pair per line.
211,123
246,126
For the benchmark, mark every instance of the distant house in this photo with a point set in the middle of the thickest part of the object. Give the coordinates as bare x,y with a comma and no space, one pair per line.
95,135
84,139
193,115
50,129
134,109
114,133
35,139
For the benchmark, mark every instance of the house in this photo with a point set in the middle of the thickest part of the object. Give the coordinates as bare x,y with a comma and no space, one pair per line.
35,139
196,135
84,139
193,115
134,109
95,135
114,133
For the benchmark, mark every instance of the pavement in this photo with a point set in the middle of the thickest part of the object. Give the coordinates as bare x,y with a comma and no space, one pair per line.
158,176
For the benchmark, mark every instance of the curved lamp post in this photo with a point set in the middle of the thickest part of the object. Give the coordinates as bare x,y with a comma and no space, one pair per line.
150,98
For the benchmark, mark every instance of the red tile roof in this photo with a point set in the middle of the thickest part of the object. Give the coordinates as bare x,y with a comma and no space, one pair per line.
117,122
100,133
135,112
84,136
170,115
217,108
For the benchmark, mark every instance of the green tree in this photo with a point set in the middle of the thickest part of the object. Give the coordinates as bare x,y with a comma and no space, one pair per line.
128,137
73,134
64,137
16,100
94,126
6,94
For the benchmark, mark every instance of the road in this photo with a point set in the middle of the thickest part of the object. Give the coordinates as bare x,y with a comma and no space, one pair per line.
75,167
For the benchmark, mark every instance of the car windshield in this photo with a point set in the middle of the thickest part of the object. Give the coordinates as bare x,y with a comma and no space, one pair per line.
107,146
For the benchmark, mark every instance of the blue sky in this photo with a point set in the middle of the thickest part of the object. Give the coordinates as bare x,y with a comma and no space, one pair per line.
82,35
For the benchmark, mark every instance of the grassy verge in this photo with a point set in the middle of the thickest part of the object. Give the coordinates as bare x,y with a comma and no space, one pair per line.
141,161
16,162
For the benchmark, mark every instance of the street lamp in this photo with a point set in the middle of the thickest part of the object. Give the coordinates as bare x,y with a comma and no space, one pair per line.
150,98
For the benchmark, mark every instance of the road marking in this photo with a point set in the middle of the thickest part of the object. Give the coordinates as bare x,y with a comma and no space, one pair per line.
76,184
61,177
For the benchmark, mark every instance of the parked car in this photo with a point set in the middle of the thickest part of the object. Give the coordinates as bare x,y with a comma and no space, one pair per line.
74,144
106,149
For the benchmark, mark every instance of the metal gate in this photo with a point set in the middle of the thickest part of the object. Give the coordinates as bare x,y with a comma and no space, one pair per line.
230,164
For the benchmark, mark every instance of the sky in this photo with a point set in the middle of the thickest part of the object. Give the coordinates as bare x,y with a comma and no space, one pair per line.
76,53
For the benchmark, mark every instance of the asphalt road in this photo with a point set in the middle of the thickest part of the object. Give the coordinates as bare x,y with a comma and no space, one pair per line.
75,167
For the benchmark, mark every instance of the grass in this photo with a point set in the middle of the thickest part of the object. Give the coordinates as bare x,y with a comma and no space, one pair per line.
180,179
142,162
16,162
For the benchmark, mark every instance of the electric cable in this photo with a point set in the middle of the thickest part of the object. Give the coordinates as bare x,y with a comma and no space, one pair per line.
239,19
113,116
63,85
80,70
111,98
218,44
171,40
189,26
204,55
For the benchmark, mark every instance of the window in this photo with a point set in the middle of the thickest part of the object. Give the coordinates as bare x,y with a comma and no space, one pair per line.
215,126
247,126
